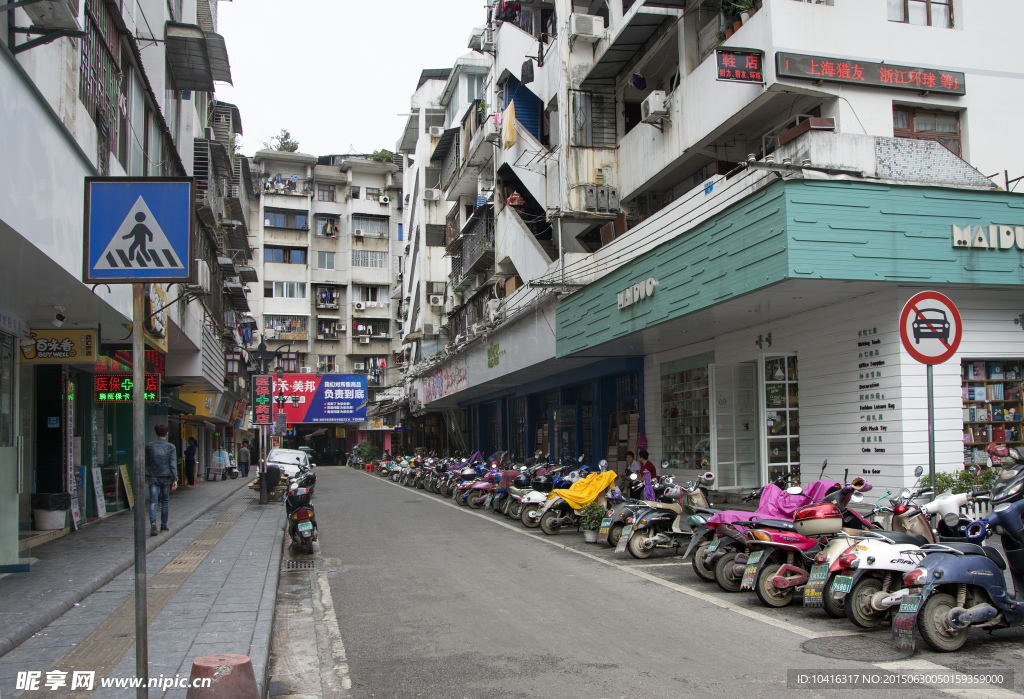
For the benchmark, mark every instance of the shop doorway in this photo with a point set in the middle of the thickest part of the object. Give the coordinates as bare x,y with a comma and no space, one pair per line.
565,447
736,450
782,417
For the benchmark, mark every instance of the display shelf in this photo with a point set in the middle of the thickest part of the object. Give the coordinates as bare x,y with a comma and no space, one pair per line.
686,423
992,405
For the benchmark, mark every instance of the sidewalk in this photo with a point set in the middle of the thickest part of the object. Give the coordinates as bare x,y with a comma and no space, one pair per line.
212,588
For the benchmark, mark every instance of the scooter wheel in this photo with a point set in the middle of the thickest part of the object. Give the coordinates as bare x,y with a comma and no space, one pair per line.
234,475
858,607
309,546
476,499
531,516
635,545
724,575
933,623
700,565
615,533
548,523
515,509
770,595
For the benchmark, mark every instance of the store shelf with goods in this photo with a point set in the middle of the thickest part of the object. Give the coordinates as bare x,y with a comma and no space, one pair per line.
686,421
993,401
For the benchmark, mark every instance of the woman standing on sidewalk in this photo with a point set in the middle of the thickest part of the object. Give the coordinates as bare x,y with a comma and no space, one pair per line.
190,462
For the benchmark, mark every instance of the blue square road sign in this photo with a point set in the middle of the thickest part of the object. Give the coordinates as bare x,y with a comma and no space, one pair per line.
138,229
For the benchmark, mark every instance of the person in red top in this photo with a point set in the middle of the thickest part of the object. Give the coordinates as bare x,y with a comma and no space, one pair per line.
646,465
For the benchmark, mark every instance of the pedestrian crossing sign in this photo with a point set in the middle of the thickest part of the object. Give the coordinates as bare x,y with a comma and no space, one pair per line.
138,229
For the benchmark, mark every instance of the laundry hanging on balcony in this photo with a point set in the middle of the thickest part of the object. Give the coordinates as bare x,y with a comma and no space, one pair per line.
526,74
508,128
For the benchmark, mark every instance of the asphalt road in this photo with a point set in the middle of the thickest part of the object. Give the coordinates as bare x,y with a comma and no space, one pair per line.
435,600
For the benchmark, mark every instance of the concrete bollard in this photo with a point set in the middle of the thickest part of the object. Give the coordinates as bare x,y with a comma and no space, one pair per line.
231,677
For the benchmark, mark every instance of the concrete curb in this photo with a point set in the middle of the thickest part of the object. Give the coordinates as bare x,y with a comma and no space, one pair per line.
14,637
263,633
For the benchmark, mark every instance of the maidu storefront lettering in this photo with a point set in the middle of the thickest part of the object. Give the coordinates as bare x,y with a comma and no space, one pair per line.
992,237
637,292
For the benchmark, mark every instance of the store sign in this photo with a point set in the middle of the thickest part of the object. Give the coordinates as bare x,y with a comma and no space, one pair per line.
740,65
155,360
60,347
309,398
637,292
444,382
849,71
262,396
120,388
996,237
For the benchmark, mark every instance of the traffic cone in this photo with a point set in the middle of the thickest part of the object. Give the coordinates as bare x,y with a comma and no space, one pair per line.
231,677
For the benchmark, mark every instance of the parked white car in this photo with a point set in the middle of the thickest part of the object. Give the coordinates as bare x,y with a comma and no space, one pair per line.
290,461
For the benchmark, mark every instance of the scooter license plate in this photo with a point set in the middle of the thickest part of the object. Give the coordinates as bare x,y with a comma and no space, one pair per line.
713,546
624,539
602,532
841,585
816,585
750,573
904,622
305,526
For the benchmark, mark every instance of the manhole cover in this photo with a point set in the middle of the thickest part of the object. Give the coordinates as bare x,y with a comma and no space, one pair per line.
290,566
867,649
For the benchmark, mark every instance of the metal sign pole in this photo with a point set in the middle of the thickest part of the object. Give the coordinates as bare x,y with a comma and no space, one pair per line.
931,432
139,453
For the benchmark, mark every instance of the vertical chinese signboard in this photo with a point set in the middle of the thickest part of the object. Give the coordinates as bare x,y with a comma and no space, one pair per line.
262,397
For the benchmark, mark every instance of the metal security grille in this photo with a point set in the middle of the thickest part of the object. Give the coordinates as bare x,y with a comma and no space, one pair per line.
593,120
100,67
369,258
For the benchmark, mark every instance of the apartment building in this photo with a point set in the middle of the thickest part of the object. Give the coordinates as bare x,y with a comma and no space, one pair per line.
742,197
329,235
94,88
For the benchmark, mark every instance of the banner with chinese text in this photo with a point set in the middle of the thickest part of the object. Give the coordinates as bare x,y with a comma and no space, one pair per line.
328,398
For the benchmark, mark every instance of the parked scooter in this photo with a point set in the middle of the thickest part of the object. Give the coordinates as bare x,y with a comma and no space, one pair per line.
565,508
663,524
300,515
958,586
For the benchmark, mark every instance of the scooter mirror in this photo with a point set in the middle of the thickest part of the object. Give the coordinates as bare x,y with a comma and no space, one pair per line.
603,464
919,471
856,497
951,519
665,463
974,470
795,490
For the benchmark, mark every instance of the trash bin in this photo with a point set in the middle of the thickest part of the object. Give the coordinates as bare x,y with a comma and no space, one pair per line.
50,510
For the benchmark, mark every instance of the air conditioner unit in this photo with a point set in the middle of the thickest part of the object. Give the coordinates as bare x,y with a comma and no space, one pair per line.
364,340
359,366
54,15
306,370
359,305
586,27
428,329
654,107
431,195
203,275
480,39
357,233
436,300
384,199
436,131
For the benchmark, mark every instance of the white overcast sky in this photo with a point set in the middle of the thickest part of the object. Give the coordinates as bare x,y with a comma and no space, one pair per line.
336,73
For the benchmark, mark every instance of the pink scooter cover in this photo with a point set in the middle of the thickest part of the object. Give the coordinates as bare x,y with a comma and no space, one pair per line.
776,504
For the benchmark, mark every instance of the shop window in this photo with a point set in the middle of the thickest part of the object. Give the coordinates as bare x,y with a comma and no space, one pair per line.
782,417
565,435
517,428
926,125
992,404
735,408
926,13
685,418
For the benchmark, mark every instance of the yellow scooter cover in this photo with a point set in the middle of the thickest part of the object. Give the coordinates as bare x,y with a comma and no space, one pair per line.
585,491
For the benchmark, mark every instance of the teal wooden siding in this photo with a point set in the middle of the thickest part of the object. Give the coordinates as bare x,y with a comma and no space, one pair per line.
802,229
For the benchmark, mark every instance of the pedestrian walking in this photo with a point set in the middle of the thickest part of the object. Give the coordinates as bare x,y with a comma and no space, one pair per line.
243,460
190,462
220,462
161,475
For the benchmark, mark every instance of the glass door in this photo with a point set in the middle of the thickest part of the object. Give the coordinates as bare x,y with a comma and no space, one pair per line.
12,480
736,426
782,417
564,434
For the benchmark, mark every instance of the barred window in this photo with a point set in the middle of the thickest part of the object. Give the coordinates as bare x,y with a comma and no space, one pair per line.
593,120
98,85
369,258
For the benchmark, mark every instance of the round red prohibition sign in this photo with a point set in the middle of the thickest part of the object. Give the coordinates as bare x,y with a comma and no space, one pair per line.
930,327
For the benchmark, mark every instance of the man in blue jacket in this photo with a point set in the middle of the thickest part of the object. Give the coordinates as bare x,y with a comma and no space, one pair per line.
161,475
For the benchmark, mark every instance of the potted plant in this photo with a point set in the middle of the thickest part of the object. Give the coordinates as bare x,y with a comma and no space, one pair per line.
590,521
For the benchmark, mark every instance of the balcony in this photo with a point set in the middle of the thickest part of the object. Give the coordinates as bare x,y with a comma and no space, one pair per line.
473,251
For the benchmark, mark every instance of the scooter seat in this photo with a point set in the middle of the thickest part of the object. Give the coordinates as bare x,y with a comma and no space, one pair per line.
776,524
975,550
900,537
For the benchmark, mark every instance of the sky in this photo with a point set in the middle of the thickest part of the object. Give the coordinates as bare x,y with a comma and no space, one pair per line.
336,73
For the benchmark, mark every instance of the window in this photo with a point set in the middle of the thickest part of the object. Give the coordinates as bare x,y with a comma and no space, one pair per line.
920,124
293,256
453,105
327,227
325,363
324,260
926,13
372,193
593,120
354,192
327,297
98,86
285,219
284,290
369,258
325,192
286,327
782,411
370,226
369,294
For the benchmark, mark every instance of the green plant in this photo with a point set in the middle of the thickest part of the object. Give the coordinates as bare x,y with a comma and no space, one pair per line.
961,481
367,451
382,156
282,141
720,36
591,516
